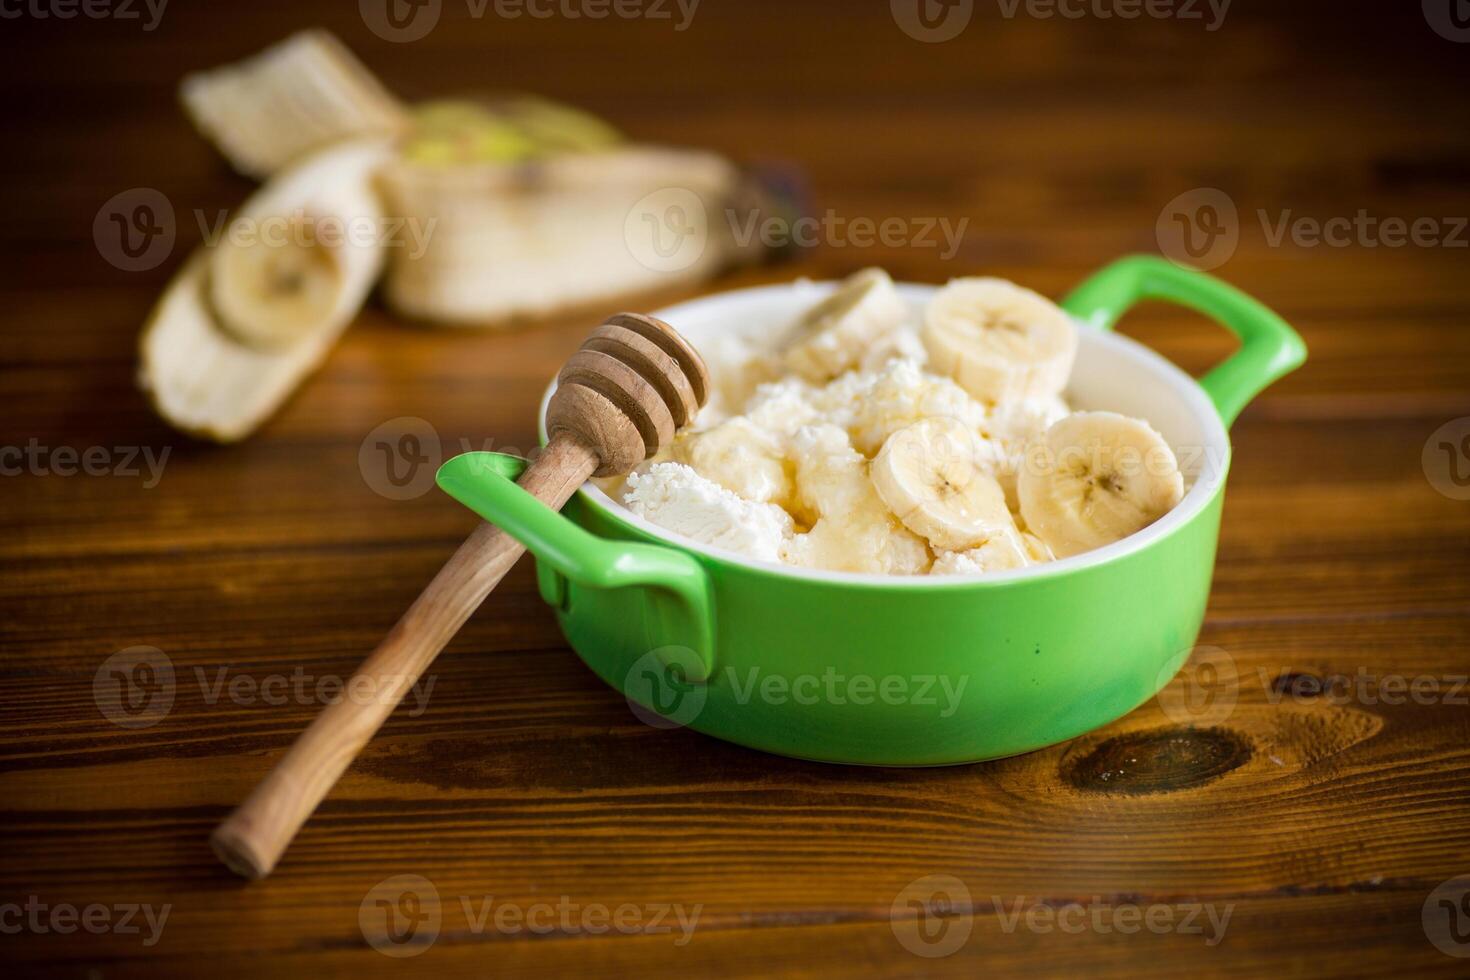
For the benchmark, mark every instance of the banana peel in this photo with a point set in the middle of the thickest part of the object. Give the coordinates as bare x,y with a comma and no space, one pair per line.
295,97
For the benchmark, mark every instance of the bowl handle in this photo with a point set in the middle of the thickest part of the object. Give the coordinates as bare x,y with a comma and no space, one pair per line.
678,585
1269,348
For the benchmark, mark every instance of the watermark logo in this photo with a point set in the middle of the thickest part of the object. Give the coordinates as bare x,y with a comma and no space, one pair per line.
1446,917
1103,917
63,918
667,230
932,916
400,916
134,688
91,9
399,458
833,230
1199,229
1450,19
1446,459
39,460
932,21
410,20
400,21
1205,690
135,230
659,690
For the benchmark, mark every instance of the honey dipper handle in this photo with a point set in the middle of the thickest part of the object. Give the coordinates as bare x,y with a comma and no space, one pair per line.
251,840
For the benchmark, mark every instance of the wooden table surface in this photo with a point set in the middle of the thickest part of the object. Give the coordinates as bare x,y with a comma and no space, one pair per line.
1301,830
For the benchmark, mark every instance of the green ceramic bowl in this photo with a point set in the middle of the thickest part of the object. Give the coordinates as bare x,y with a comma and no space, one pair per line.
882,670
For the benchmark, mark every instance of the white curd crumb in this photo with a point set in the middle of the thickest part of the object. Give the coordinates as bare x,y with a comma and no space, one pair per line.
675,497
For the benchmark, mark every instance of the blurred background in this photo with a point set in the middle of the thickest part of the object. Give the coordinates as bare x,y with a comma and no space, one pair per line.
1058,141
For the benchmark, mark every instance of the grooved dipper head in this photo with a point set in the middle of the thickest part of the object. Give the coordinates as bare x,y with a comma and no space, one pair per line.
625,392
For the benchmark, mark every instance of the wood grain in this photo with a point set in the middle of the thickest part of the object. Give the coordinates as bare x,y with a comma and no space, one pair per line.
1322,822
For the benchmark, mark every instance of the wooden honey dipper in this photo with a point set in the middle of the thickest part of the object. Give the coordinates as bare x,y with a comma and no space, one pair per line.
619,399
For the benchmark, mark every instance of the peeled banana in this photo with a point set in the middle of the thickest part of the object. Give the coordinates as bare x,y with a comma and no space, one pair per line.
1000,342
531,238
301,255
1094,478
292,98
205,381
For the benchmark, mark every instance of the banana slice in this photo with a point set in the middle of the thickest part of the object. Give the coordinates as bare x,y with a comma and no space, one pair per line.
851,529
835,335
930,475
1095,478
999,341
739,456
571,231
206,382
302,254
290,99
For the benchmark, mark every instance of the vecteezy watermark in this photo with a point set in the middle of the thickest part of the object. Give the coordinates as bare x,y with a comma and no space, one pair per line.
401,916
1446,917
1207,687
411,20
1450,19
134,230
669,229
1198,686
1210,12
399,458
1366,688
64,919
39,460
935,21
301,228
90,9
661,692
1201,228
932,916
136,688
659,689
932,21
1446,459
1103,917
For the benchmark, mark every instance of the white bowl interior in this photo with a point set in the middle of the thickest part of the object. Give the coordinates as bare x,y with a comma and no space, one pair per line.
1113,373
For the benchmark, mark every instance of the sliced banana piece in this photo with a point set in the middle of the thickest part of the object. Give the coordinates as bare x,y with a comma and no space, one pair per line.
851,529
930,475
1094,478
1000,342
203,380
739,456
531,238
835,335
290,99
301,255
